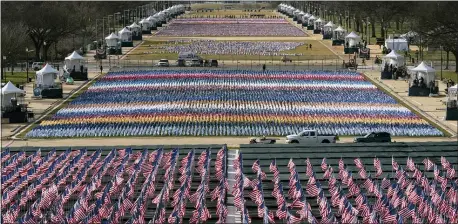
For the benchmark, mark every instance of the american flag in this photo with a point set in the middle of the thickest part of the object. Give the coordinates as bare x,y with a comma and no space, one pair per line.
182,194
394,164
358,163
428,164
445,163
240,184
378,167
309,169
219,192
324,166
328,173
169,162
201,213
256,166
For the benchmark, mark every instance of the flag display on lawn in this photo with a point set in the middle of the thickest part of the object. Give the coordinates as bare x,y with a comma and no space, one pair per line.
181,186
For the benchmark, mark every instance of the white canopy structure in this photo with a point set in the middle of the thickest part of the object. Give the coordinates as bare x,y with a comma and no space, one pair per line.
394,59
339,33
311,20
146,25
46,76
9,88
9,91
400,44
453,91
352,39
135,27
74,61
112,40
125,35
425,72
318,24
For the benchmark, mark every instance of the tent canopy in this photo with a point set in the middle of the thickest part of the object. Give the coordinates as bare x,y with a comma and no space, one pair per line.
48,69
329,24
340,29
125,30
74,56
394,55
112,36
145,21
352,35
318,20
422,67
312,18
10,88
134,25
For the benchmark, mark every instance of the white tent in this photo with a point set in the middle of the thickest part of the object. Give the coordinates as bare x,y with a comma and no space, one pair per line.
46,76
394,59
135,27
112,40
9,88
146,25
125,35
400,44
453,91
328,27
339,33
425,72
318,24
9,91
352,39
74,61
311,20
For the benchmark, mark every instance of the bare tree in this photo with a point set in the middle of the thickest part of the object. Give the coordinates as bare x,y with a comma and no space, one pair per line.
438,23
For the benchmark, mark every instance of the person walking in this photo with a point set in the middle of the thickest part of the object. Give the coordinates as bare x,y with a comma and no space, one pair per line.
101,68
263,67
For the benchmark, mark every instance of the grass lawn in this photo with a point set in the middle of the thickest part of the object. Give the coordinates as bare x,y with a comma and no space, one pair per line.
199,6
227,12
65,104
17,77
447,75
149,50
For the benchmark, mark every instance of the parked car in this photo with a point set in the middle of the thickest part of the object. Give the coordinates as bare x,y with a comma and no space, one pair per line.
163,63
37,65
211,63
374,137
181,63
311,136
193,63
263,140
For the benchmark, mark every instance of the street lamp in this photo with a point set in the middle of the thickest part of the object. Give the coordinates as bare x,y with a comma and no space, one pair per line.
27,66
44,51
3,68
117,22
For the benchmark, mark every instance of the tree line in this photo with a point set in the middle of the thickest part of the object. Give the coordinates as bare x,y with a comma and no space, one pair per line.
435,22
53,29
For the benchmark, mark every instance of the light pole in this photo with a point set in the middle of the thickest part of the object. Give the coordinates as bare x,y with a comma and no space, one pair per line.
109,24
128,13
441,62
3,68
27,66
114,19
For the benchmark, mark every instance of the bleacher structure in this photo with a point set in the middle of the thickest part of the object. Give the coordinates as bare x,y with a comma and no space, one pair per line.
338,183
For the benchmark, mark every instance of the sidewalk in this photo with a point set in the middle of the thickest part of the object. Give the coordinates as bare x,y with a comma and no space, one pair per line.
42,106
432,108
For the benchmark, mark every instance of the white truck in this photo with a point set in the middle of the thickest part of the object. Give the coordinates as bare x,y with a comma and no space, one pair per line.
310,136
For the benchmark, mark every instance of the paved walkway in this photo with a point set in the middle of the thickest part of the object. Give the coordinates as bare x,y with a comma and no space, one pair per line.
42,106
130,141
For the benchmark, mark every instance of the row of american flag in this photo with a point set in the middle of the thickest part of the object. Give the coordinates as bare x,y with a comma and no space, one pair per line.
408,197
78,175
